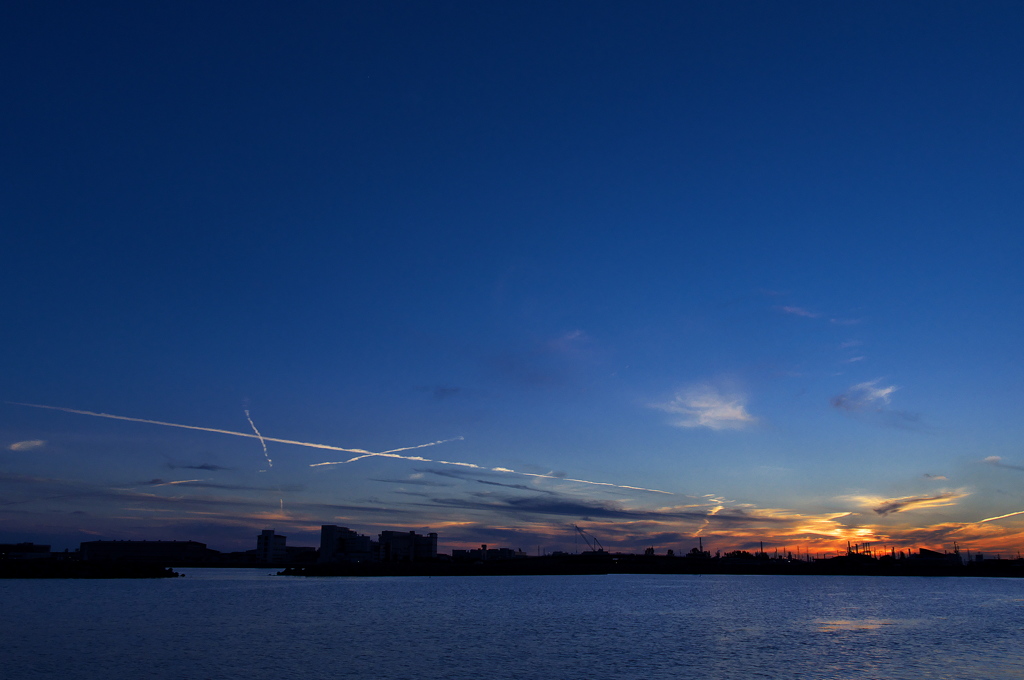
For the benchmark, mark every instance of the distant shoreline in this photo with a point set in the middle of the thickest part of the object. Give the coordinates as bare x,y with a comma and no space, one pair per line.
607,564
587,564
82,570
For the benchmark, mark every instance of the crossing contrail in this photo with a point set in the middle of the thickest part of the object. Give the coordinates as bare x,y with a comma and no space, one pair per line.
392,454
362,453
263,442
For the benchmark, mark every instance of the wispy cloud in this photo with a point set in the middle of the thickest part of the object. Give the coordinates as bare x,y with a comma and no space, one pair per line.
904,503
799,311
204,484
865,396
706,406
27,445
852,360
808,314
569,341
998,462
935,477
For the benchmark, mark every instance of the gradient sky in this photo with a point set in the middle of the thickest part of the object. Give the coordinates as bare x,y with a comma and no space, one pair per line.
764,257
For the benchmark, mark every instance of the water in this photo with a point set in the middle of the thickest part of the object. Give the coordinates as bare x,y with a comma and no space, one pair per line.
248,624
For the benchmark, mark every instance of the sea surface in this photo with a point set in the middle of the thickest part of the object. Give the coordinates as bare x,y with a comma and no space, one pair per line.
244,623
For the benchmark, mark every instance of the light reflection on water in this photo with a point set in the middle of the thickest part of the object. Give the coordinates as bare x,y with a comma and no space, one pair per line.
845,624
247,623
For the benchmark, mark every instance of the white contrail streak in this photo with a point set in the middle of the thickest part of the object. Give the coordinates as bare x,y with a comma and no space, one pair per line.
474,466
311,445
989,519
363,453
584,481
263,442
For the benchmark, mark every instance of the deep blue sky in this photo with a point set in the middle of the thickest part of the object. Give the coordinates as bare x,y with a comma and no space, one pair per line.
764,256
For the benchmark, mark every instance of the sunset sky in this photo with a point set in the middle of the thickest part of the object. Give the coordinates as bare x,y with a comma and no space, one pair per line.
743,271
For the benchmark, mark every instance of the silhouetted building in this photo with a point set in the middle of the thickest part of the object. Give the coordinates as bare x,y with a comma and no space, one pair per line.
925,556
164,552
484,554
341,544
241,558
300,554
397,546
23,551
270,547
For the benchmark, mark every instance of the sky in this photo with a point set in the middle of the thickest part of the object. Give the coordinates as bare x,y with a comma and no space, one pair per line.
735,272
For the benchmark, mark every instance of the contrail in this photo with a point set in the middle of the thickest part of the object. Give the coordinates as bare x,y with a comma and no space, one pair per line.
584,481
392,454
263,442
474,466
989,519
363,453
311,445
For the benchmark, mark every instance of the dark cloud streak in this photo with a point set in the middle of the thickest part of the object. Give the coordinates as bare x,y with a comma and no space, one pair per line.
998,462
566,507
209,467
521,487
